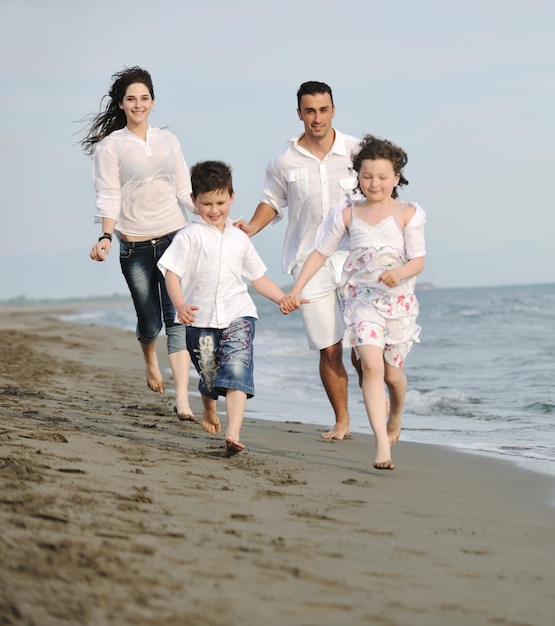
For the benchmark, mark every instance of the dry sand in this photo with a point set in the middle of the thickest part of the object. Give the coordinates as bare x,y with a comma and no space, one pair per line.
113,512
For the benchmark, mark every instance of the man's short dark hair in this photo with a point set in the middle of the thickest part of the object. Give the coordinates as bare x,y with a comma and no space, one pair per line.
311,88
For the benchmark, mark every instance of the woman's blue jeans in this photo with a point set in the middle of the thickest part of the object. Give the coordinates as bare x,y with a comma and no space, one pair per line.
138,260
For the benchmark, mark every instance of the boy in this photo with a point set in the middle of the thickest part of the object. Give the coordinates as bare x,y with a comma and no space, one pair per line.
204,268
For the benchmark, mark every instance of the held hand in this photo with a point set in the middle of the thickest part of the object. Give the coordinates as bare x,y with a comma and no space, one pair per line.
291,302
245,227
186,313
100,250
389,278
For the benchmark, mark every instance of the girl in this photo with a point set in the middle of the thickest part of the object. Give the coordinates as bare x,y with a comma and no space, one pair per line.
386,253
142,188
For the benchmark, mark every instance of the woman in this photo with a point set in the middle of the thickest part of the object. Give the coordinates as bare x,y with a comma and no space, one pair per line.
142,189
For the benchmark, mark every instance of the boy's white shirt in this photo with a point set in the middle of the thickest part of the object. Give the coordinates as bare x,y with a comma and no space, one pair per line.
213,267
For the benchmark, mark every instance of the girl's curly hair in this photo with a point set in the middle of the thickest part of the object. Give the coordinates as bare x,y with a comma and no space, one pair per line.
373,148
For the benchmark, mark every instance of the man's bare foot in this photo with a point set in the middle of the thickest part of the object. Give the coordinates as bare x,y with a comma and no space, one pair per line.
394,429
337,432
211,423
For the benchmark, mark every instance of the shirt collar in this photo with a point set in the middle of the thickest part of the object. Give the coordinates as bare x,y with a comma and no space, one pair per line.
338,146
197,219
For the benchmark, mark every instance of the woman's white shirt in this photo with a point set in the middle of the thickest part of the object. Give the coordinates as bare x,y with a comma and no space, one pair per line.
144,185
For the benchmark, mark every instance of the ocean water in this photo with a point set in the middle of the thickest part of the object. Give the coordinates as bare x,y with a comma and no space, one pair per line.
481,380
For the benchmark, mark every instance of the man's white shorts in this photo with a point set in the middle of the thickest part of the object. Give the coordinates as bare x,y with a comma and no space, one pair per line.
323,317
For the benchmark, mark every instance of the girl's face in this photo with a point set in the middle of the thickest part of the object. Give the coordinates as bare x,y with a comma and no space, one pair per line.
137,104
377,179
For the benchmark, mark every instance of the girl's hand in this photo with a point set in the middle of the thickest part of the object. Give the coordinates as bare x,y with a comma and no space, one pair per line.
390,278
186,313
100,250
291,302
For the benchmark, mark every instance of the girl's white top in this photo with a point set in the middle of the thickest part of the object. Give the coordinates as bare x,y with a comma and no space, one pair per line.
144,185
374,249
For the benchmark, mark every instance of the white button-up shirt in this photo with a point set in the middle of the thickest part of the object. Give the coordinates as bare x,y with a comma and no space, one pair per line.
310,188
144,185
212,266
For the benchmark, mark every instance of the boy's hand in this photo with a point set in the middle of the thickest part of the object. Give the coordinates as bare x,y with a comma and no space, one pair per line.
186,313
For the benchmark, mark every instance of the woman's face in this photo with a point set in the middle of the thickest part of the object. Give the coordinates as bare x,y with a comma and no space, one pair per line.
137,104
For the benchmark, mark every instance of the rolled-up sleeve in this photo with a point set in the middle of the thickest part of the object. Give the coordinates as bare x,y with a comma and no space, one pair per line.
415,245
107,184
275,191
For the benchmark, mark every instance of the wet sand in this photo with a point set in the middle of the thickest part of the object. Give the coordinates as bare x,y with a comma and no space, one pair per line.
114,512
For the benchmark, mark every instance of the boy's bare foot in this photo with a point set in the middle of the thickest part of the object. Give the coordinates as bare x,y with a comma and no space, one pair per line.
394,429
338,432
211,423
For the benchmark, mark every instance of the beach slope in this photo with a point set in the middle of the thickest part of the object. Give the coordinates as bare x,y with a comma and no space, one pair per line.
114,512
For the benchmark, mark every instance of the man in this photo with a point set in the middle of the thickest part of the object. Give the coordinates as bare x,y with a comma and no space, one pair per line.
311,177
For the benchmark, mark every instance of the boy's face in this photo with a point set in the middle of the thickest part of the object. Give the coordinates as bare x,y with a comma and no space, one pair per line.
213,207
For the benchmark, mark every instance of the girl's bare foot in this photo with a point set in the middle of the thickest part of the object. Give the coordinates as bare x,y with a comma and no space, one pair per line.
394,429
384,465
232,446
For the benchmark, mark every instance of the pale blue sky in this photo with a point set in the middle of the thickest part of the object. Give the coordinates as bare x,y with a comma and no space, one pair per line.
467,88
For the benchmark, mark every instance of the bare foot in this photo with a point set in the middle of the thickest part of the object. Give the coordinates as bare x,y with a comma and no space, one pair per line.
232,446
384,465
211,423
153,374
185,417
154,377
394,429
338,432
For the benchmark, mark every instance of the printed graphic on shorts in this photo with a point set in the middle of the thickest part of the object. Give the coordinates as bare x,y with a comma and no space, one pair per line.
207,362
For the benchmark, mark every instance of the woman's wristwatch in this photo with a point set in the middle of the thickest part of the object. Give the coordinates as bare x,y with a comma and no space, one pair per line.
107,236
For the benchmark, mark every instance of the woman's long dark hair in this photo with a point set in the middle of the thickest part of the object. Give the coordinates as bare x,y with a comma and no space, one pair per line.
112,117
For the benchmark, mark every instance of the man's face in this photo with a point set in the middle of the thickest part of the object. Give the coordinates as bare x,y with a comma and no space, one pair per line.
316,113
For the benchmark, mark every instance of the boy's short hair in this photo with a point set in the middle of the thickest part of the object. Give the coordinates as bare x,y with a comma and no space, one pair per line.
311,88
207,176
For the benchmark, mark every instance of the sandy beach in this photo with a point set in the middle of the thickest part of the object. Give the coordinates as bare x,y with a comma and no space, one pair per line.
115,513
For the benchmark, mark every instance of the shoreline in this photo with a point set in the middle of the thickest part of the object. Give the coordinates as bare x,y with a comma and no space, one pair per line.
114,512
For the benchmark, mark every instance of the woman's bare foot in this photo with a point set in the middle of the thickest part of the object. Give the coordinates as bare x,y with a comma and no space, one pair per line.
338,432
154,377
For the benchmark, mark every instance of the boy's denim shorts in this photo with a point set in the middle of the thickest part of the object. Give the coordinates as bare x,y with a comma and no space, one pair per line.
223,357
